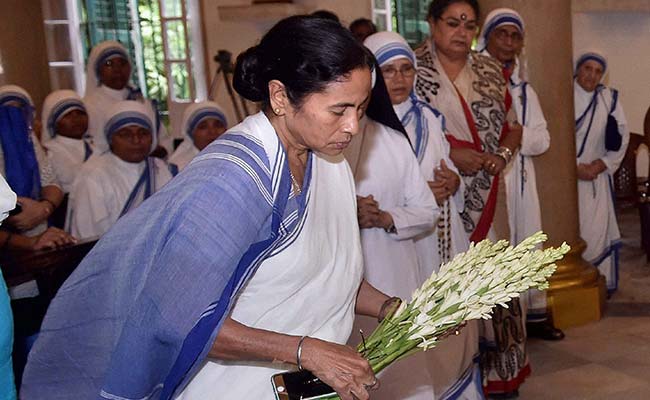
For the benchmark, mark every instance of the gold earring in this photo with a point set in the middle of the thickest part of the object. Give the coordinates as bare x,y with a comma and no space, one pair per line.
276,111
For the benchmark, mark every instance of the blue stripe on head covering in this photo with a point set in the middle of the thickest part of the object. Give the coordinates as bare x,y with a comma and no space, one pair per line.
14,96
60,110
591,57
127,118
106,55
392,50
201,115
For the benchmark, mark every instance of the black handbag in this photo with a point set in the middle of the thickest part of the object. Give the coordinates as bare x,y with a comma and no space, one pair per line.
613,138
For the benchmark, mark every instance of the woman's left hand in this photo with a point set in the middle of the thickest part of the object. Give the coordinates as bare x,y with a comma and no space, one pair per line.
33,213
493,164
367,211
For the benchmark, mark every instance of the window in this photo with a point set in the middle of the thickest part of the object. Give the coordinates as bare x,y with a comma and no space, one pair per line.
411,17
158,34
408,17
65,54
382,14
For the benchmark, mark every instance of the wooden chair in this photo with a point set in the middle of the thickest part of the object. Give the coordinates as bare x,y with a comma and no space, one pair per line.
50,268
625,179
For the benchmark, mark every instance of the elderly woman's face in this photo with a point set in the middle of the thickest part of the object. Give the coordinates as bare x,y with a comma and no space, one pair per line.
399,76
505,43
589,75
454,31
326,121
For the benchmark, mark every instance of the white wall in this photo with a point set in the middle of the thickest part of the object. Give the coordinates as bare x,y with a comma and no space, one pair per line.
624,37
238,35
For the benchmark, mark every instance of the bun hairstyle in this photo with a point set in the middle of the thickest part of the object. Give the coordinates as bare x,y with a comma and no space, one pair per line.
303,52
438,7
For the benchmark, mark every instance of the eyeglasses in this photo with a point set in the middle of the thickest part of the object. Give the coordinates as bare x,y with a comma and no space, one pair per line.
407,71
503,35
453,23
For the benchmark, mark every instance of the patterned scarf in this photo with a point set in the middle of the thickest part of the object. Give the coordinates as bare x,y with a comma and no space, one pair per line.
475,106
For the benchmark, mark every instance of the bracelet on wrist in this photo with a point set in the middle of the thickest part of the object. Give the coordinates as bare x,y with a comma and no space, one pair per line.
504,153
384,310
299,353
50,205
390,228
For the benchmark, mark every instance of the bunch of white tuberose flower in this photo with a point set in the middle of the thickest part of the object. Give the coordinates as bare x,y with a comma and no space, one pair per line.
468,287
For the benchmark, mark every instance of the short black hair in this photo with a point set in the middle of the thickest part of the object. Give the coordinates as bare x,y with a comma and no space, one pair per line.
326,14
363,21
438,7
303,52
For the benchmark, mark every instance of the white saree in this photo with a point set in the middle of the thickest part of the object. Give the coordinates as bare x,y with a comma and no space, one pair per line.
521,184
598,226
319,272
385,167
101,190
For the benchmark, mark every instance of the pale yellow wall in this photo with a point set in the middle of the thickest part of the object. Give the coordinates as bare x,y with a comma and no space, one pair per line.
237,35
22,48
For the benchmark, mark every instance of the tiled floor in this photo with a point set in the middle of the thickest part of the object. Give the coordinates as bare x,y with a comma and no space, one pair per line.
609,359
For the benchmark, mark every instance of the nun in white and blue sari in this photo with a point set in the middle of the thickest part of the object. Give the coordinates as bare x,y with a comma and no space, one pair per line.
66,154
453,364
107,186
235,245
99,98
594,104
193,117
385,168
23,161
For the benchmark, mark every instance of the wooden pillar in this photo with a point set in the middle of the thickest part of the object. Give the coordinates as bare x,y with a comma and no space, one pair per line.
577,292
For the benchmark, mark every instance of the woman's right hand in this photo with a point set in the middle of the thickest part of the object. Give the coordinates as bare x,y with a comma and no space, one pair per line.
33,213
468,161
341,367
586,172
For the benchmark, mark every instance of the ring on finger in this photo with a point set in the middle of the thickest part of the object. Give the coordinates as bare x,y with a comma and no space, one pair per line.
371,385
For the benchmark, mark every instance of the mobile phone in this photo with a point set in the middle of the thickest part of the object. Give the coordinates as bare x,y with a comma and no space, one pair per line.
17,210
300,385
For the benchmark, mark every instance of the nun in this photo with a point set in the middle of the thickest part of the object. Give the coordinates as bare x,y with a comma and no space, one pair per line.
602,137
452,363
502,38
202,123
24,164
65,125
108,76
114,183
394,206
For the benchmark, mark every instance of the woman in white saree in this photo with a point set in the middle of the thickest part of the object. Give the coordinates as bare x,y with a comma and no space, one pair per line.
596,163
